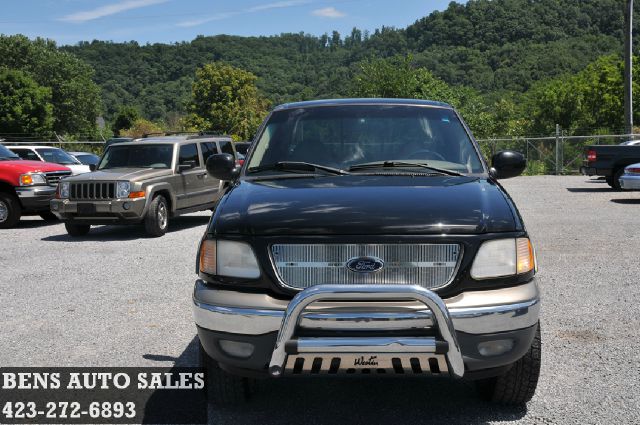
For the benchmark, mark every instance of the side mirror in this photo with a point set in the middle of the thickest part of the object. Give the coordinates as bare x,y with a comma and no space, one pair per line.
93,167
507,164
222,167
187,165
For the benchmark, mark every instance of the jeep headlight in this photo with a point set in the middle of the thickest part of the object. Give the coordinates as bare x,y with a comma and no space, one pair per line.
63,190
123,189
503,257
228,258
31,179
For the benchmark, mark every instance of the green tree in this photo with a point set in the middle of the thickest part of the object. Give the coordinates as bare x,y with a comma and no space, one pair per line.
126,117
140,127
225,99
75,98
397,77
585,102
25,106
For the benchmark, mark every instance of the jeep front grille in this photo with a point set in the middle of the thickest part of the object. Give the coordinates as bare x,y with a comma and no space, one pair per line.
304,265
54,177
92,191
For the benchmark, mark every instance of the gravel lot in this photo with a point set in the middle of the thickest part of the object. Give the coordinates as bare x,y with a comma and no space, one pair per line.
117,298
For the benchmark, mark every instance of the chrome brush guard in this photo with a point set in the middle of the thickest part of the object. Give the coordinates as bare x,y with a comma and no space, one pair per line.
438,354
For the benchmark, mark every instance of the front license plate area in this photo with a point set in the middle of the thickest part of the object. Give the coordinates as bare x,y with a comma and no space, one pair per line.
359,363
86,209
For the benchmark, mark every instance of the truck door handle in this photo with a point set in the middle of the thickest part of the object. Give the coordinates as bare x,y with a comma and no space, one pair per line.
202,176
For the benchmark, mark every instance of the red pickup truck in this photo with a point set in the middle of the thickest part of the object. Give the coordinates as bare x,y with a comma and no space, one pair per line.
26,187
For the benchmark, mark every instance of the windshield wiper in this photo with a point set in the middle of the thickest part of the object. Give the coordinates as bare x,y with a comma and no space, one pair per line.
400,164
297,166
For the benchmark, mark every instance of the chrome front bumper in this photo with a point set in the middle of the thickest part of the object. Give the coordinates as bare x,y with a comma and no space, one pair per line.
474,312
345,308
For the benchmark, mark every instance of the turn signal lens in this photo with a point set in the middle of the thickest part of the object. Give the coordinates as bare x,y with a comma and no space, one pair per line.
592,156
134,195
526,256
208,257
26,180
633,170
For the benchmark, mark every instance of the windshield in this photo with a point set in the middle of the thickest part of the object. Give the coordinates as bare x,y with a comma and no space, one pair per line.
137,156
57,156
7,154
87,158
343,136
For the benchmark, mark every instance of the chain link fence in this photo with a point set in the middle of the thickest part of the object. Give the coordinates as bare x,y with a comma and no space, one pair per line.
558,154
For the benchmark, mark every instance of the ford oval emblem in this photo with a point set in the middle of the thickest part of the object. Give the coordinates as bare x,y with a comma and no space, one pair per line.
365,264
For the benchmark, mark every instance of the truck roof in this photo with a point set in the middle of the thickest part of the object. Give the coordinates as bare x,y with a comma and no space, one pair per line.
366,101
31,146
174,139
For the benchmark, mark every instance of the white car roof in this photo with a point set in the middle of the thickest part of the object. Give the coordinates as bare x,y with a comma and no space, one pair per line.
31,146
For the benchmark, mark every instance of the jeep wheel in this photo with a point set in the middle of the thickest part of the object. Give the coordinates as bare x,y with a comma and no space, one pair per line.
48,216
10,210
517,386
77,230
223,388
157,220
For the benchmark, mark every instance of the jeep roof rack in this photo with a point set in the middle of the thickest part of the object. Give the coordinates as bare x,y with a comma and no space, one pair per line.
189,134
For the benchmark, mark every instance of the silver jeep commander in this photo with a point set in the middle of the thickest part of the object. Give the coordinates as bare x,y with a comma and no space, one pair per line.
146,181
368,237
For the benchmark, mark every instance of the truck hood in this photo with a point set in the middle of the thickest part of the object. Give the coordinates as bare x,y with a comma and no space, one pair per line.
129,174
79,168
25,166
365,205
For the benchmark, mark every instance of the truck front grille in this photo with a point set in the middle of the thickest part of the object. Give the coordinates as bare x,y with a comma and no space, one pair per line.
304,265
92,191
55,176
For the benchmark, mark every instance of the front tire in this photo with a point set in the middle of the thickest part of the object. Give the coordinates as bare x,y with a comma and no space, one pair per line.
518,385
77,230
223,388
10,210
156,221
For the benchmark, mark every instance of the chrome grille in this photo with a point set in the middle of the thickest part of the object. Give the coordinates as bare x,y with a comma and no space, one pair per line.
55,176
304,265
92,190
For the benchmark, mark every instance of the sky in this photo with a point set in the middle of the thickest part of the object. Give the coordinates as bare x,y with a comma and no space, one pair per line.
167,21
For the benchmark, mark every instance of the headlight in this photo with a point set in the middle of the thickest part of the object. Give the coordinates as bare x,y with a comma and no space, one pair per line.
503,257
123,190
228,258
32,179
63,190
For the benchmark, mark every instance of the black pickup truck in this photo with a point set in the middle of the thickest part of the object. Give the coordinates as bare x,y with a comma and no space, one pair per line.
367,237
609,161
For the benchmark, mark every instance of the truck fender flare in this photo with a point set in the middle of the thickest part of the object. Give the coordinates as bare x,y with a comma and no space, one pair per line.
159,187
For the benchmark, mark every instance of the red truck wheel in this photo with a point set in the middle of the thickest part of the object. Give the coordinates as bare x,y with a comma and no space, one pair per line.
10,210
